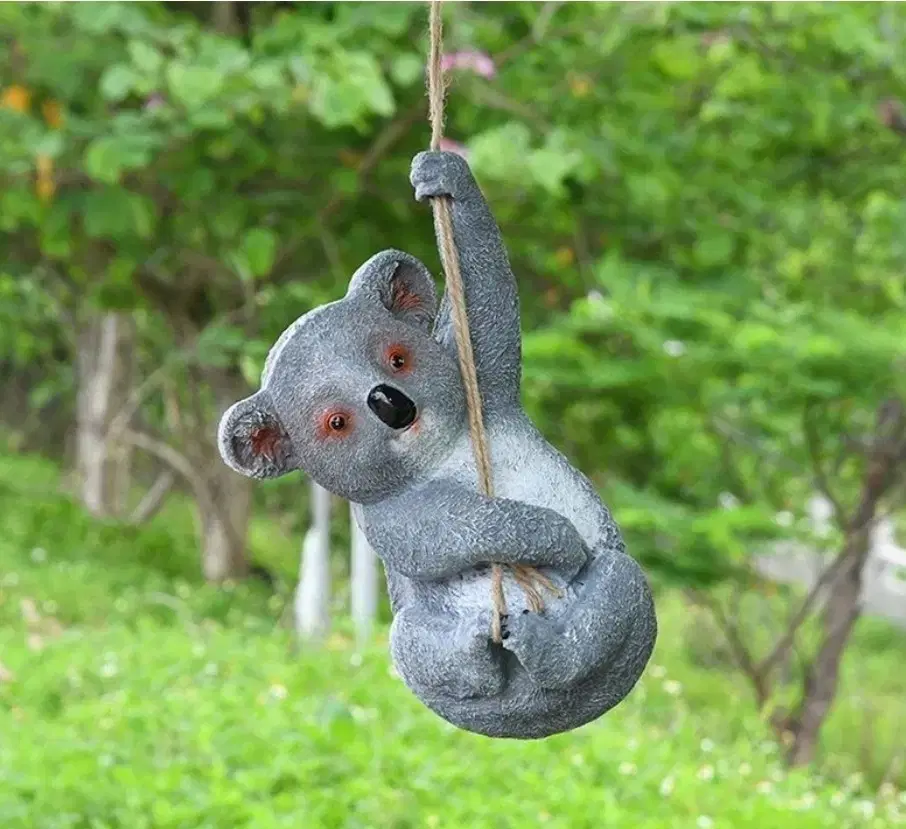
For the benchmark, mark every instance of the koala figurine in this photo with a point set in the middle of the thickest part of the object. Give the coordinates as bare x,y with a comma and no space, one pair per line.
364,395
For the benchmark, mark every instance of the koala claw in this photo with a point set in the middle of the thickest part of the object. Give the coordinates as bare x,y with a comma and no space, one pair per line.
436,173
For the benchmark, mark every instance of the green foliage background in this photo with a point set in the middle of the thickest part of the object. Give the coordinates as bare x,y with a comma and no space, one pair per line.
703,204
137,696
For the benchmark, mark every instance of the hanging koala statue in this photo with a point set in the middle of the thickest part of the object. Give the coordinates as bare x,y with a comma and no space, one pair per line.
365,396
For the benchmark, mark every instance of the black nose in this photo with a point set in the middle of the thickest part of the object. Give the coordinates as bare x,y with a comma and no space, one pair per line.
392,406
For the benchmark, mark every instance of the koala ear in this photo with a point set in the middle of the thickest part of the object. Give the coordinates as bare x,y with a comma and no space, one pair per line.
252,439
401,283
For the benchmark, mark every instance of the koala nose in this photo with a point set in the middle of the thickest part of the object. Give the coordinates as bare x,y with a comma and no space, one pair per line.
392,406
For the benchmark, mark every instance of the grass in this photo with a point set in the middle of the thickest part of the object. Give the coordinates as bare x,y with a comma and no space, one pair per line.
133,695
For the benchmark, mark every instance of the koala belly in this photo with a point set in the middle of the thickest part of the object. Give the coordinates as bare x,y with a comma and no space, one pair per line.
526,468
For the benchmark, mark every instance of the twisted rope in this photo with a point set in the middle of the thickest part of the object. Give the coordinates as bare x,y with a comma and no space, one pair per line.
528,578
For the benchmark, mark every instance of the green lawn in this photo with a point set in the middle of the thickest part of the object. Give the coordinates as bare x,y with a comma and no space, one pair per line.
135,696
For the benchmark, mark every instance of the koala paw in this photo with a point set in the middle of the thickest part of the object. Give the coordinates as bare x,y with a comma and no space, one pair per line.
438,173
574,561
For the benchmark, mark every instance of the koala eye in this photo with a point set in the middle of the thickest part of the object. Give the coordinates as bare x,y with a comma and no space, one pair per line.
398,358
335,424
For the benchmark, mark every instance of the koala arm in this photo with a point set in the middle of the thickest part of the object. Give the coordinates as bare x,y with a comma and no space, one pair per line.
491,295
438,530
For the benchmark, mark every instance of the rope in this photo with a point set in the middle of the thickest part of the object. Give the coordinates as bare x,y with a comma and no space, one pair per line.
527,577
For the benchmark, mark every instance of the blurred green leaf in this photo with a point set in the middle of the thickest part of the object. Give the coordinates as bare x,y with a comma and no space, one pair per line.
193,86
107,158
407,68
714,248
116,214
259,246
145,56
117,82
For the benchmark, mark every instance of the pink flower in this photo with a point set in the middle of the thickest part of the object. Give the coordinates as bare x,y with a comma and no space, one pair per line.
478,62
154,101
450,146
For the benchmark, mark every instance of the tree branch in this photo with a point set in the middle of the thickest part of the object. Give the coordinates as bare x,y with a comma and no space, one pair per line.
732,432
787,642
812,443
141,392
888,448
153,499
539,30
879,477
174,459
728,463
392,132
738,647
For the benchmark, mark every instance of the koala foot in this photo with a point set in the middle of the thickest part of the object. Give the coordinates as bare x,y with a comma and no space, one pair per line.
437,173
482,671
538,644
614,611
527,635
453,656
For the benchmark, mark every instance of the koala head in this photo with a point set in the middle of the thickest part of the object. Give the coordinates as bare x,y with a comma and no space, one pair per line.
358,394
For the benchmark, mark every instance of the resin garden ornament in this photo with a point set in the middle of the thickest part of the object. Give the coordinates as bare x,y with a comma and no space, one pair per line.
365,395
411,410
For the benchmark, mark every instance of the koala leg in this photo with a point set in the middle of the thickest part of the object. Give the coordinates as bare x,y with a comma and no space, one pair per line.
450,656
611,612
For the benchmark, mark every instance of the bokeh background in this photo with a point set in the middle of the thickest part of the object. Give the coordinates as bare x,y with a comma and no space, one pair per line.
704,206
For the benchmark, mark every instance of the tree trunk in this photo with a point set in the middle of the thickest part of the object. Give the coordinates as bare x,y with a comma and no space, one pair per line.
224,498
223,17
312,603
224,517
841,612
885,456
105,367
363,583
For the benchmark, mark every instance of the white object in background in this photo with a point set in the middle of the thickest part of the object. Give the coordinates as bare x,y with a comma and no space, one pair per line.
820,512
889,557
363,582
312,600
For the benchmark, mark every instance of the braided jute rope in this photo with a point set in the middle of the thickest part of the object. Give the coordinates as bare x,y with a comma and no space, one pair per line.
529,579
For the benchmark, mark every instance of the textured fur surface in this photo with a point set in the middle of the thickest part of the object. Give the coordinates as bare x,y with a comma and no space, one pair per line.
365,396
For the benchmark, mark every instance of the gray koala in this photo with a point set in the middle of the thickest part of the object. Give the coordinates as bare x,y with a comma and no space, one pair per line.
365,396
